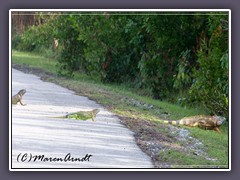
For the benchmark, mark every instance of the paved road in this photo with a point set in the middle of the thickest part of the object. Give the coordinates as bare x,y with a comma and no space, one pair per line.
109,143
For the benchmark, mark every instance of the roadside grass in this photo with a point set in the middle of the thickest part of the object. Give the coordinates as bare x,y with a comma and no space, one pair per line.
34,60
137,112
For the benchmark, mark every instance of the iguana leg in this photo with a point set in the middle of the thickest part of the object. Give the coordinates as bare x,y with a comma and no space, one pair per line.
217,129
93,116
22,103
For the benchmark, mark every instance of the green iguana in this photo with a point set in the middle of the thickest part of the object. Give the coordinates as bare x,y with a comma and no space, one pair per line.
202,121
81,115
18,97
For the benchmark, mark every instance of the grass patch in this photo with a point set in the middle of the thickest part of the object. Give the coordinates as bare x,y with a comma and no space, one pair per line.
141,114
216,145
34,60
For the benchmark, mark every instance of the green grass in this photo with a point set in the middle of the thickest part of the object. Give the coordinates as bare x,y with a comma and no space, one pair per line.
34,60
128,104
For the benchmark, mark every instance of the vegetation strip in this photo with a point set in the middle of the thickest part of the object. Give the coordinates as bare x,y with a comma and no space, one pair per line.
140,114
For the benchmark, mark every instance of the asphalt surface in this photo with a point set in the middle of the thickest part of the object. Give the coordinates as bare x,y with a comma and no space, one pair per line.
39,141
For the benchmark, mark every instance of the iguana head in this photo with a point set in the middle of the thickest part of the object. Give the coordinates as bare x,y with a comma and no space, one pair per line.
22,92
96,111
219,120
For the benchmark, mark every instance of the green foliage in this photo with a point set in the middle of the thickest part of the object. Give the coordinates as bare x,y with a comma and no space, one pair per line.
38,38
16,41
183,77
28,40
210,86
71,58
155,74
166,39
181,58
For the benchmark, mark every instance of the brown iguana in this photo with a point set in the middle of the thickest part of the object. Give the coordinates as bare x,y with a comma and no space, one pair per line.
81,115
18,97
202,121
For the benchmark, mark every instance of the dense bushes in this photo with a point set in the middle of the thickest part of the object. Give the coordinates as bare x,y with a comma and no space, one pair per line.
210,86
172,54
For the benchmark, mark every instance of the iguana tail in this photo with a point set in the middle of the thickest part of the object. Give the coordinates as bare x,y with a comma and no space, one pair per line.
185,122
178,122
67,116
62,117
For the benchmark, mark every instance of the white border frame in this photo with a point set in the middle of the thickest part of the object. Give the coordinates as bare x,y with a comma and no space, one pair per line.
114,10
